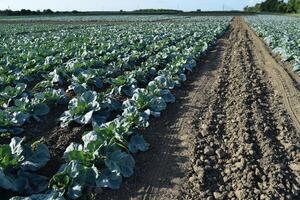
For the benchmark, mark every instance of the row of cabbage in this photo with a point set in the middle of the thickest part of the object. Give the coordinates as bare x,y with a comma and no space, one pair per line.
113,78
108,18
281,33
23,28
78,71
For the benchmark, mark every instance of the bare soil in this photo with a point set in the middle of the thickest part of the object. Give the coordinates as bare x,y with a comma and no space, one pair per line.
233,133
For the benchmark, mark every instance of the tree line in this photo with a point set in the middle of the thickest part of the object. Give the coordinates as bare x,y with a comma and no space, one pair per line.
9,12
277,6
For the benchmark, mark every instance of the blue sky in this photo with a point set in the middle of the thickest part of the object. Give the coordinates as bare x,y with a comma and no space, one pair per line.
125,4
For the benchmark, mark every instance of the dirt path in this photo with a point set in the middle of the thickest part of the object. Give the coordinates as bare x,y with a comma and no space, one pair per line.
230,135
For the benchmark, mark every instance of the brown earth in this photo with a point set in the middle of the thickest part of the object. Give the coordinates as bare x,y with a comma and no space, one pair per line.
233,133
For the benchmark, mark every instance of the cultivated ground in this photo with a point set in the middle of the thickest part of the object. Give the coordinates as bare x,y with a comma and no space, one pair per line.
234,132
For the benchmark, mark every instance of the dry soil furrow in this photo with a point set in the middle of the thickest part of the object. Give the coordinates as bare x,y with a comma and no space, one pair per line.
238,154
206,179
240,142
280,180
284,83
286,100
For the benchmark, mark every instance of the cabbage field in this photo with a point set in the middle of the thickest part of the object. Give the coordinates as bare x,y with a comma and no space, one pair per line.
108,18
78,92
281,33
108,79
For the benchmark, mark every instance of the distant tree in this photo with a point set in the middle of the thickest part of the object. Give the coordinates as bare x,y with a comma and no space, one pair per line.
272,6
256,8
25,12
158,11
275,6
293,6
8,12
48,11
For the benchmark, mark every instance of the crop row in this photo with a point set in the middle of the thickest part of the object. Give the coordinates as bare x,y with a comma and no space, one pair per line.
108,18
81,74
281,33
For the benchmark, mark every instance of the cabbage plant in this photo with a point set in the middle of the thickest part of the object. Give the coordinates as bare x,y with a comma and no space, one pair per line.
83,80
142,100
18,161
25,108
123,85
10,93
83,109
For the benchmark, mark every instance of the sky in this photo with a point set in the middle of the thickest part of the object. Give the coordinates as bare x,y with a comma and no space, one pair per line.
115,5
